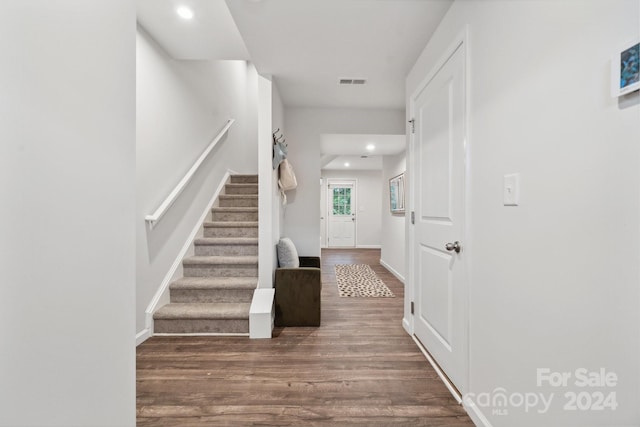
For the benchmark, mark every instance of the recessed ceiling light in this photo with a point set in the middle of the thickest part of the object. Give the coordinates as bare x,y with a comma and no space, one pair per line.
184,12
371,147
346,164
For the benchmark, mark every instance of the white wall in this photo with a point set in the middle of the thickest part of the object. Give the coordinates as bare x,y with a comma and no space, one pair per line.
269,205
271,119
392,253
277,115
369,201
67,167
304,129
181,106
554,283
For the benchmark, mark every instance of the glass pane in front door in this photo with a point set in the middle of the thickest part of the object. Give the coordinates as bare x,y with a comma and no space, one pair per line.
342,201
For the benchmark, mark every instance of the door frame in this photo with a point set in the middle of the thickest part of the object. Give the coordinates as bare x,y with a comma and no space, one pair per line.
460,41
354,209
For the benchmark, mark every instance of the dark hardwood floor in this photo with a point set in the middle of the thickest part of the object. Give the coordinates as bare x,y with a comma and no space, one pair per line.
359,368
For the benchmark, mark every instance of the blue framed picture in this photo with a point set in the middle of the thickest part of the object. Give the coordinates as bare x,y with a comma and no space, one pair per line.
625,70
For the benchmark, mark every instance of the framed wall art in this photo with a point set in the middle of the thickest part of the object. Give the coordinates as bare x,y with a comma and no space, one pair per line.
396,194
625,69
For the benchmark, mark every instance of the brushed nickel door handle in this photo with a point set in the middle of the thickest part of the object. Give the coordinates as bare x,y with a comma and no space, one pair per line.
455,246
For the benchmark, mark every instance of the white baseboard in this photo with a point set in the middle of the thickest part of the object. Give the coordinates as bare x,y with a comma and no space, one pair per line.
142,336
392,270
175,272
407,326
467,403
368,247
441,374
474,413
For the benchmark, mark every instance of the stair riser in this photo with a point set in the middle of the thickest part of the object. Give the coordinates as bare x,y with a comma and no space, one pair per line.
244,179
201,326
235,216
239,202
226,250
231,232
212,295
252,189
221,270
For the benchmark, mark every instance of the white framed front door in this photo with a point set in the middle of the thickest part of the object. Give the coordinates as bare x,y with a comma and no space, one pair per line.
341,212
437,247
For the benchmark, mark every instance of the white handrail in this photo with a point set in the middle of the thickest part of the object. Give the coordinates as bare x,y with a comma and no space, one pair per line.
171,198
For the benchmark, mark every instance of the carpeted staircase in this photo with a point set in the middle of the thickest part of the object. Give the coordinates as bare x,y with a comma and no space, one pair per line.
215,293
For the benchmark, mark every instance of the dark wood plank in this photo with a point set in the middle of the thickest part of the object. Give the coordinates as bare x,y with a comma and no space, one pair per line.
359,368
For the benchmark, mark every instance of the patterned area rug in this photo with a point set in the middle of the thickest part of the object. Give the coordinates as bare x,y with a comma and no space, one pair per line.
359,280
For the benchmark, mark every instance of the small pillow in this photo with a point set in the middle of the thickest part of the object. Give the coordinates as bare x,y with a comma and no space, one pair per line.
287,254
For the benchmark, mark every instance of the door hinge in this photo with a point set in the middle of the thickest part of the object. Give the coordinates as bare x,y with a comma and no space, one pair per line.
412,307
412,122
413,217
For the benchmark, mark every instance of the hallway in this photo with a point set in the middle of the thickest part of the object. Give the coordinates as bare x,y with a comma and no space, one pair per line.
358,368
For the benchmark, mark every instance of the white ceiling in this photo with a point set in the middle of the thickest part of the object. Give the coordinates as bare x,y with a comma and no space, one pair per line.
211,34
338,149
356,144
355,163
307,45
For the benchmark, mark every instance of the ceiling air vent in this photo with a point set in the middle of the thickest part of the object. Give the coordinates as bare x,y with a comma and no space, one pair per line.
352,81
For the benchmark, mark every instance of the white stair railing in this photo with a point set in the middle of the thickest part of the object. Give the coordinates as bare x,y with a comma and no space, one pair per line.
171,198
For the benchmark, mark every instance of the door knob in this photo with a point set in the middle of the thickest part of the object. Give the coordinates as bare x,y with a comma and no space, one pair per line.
455,246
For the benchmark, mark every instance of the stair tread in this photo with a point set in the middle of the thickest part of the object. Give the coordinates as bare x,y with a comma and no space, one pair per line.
203,311
238,196
230,224
220,260
235,209
242,184
204,241
215,283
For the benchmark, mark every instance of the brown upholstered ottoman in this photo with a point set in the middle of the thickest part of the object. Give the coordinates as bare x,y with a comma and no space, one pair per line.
298,294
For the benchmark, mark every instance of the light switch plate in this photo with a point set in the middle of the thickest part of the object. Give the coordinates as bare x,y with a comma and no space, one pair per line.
511,189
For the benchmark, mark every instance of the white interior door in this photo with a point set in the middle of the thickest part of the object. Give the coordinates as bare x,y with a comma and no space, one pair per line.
440,287
341,201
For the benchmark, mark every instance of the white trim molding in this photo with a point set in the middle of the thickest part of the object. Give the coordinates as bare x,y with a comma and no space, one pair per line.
392,270
456,395
407,325
142,336
474,412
